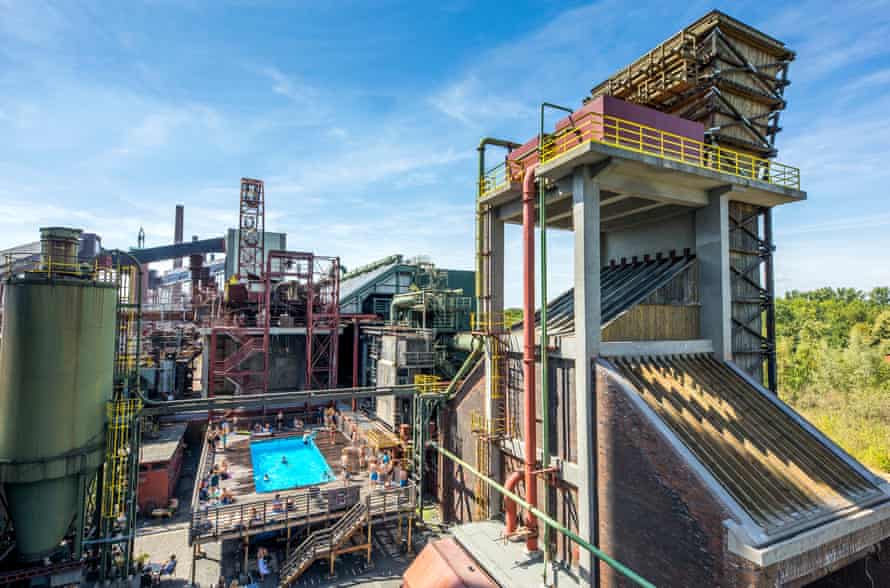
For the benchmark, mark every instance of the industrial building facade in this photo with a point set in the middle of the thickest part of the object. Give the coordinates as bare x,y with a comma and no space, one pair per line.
655,432
626,431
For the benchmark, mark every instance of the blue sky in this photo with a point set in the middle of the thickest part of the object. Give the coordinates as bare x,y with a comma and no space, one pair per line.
362,118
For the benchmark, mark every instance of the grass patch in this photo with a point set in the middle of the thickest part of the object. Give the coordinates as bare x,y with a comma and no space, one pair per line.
857,421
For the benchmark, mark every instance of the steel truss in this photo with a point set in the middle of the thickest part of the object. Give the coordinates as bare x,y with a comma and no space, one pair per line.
251,229
753,291
312,284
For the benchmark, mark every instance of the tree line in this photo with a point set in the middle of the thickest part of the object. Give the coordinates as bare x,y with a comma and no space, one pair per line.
832,348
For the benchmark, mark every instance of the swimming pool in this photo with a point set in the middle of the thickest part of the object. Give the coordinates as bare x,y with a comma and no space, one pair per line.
305,464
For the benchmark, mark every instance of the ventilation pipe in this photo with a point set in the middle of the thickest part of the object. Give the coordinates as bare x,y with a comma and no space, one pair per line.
528,351
509,146
510,517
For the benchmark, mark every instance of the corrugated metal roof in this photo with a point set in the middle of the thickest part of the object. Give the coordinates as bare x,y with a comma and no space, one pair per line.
781,474
163,447
623,286
350,286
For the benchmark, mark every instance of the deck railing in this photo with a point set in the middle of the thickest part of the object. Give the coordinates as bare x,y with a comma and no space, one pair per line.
594,127
257,516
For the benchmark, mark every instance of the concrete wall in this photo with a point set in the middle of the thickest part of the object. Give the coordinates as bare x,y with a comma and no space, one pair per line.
712,252
676,233
288,362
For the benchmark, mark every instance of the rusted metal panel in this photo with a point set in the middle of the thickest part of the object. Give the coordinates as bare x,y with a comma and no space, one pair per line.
444,564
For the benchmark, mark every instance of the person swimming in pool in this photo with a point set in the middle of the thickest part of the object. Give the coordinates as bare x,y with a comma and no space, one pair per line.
266,477
284,459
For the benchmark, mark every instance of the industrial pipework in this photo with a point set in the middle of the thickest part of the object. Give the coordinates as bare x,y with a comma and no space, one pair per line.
528,351
548,521
481,189
545,371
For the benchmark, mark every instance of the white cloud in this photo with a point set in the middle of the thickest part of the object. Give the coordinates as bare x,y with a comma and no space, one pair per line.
288,86
473,103
829,38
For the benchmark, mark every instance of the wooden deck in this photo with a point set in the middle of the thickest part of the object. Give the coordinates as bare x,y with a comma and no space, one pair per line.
307,506
255,513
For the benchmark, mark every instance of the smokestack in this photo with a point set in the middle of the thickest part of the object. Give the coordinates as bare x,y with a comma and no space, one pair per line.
178,231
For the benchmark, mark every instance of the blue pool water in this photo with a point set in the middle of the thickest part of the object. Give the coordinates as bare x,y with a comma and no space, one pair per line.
305,464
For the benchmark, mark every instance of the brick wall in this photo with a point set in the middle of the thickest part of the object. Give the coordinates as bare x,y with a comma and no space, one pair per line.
870,569
658,518
655,515
457,498
844,559
157,482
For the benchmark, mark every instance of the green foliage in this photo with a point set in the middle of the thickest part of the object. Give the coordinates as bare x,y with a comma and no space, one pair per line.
831,347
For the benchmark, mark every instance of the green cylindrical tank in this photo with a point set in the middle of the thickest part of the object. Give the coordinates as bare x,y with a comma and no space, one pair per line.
56,376
60,244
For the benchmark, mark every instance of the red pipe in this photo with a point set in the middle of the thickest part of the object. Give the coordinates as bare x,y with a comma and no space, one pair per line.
528,352
354,361
509,505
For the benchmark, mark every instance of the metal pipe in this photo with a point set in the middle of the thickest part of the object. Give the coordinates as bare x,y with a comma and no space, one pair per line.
405,299
544,518
528,352
545,372
462,341
468,363
354,360
481,149
159,407
510,518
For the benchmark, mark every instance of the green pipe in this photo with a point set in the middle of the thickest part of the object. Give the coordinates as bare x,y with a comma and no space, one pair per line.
481,149
400,300
464,368
462,341
545,374
614,564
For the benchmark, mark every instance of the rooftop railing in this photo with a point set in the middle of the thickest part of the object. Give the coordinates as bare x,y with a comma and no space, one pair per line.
593,127
16,264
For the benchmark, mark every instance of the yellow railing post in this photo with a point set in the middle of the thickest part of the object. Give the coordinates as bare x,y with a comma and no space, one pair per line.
619,133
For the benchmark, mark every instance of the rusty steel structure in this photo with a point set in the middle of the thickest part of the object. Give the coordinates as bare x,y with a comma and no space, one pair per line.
303,289
251,228
243,331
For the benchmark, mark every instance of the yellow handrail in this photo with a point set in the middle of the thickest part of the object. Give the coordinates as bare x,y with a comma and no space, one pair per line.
594,127
49,266
426,383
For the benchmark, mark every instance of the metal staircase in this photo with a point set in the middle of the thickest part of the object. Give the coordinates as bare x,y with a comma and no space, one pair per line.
249,342
323,543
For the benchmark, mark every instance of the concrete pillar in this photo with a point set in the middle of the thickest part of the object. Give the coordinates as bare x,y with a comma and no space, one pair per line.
496,263
493,287
205,365
586,225
712,251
